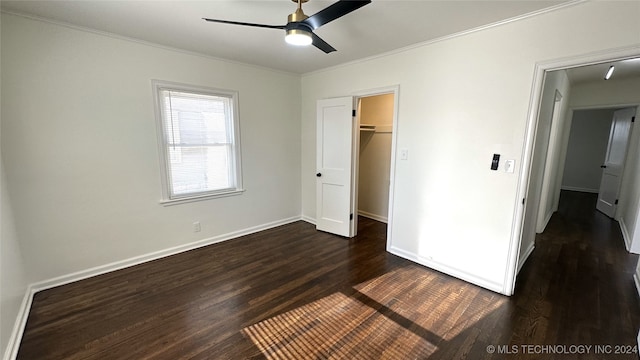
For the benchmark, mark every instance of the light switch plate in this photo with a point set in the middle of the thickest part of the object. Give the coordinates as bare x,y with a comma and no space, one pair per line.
509,166
404,154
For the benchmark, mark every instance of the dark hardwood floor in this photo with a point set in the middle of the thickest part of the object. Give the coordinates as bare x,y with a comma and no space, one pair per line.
295,293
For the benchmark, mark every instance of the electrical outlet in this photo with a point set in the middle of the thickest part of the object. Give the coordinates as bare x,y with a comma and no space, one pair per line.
196,226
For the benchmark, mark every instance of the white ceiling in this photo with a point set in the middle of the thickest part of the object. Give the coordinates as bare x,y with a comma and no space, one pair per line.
380,27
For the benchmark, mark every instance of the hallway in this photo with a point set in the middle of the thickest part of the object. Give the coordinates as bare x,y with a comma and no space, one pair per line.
577,287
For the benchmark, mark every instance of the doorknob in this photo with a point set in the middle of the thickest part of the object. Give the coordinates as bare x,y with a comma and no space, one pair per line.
603,166
318,174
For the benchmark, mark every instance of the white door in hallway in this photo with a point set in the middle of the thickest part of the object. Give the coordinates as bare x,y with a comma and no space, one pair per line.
334,166
614,161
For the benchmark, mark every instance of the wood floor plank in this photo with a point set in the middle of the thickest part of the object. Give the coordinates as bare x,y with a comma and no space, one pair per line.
294,293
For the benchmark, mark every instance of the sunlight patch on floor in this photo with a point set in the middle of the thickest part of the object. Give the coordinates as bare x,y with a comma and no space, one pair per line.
404,314
335,326
424,297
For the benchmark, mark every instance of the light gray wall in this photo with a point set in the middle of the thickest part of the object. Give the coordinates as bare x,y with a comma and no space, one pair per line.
605,93
81,154
549,145
13,277
587,149
629,208
537,207
461,100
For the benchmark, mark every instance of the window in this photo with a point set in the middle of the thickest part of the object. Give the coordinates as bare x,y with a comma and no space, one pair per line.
200,147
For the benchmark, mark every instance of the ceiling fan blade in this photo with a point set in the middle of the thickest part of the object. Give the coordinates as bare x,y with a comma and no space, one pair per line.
245,24
321,44
334,11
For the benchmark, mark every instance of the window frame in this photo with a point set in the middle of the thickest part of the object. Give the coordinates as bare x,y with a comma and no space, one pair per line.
235,165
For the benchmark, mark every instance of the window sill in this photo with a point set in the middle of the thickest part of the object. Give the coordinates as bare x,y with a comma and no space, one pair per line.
191,199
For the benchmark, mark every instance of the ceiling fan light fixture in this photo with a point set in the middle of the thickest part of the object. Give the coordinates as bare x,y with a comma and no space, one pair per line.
609,72
298,37
300,27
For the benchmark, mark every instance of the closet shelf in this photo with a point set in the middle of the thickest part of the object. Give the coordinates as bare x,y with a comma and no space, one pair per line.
367,127
376,128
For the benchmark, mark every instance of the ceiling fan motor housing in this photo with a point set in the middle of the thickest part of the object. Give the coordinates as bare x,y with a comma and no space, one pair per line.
295,24
297,16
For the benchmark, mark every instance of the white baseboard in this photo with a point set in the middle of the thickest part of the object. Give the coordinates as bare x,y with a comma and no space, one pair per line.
18,328
309,219
580,189
23,314
98,270
373,216
625,234
545,222
462,275
383,219
525,256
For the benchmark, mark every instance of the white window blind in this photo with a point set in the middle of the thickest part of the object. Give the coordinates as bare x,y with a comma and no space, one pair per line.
199,137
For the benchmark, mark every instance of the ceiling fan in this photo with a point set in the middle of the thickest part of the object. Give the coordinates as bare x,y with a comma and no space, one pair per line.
299,27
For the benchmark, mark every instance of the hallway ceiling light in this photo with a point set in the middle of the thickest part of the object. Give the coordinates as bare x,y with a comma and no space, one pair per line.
609,72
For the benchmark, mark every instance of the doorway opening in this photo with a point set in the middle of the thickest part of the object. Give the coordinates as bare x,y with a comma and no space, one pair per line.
536,148
374,151
597,153
374,154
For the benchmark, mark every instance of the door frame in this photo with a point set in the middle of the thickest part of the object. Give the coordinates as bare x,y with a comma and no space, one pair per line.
529,140
395,90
